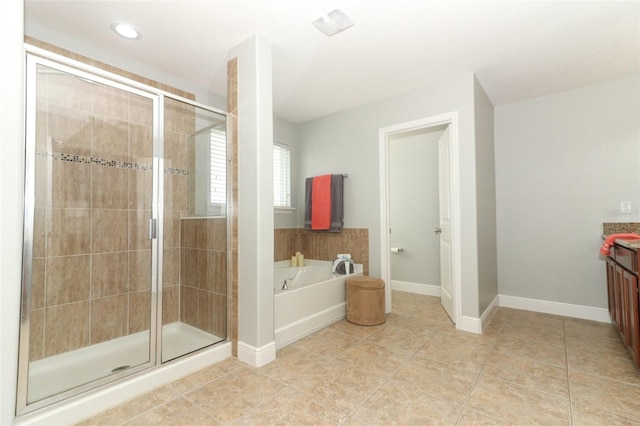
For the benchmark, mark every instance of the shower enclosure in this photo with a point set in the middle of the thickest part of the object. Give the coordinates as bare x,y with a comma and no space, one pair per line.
125,230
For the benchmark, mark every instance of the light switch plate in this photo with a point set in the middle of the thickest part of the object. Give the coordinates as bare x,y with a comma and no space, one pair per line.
625,207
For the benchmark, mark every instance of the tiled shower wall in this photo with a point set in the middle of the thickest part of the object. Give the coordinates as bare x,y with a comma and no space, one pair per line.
323,245
92,256
91,252
204,274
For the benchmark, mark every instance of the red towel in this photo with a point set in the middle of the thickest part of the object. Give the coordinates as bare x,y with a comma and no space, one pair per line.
321,202
608,242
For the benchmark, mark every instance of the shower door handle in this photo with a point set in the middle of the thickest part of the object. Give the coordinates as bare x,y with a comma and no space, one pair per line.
153,234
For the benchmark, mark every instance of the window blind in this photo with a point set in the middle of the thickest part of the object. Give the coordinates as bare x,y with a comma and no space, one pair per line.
218,183
281,176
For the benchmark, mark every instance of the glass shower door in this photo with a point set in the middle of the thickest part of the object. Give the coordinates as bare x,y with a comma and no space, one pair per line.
88,258
194,283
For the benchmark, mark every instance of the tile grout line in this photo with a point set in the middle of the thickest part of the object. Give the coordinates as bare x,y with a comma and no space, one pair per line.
566,355
475,382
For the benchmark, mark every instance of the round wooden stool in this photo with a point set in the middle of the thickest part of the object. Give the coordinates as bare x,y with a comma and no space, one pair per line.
365,300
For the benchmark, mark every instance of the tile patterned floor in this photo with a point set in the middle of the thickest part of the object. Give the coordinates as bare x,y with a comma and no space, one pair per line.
416,369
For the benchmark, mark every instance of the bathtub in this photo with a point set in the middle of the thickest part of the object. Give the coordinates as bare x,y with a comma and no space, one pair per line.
315,299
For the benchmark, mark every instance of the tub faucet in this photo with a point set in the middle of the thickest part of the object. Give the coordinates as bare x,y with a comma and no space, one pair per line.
285,286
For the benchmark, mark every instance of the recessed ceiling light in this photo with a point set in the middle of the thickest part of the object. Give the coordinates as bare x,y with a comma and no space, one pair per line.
126,30
333,22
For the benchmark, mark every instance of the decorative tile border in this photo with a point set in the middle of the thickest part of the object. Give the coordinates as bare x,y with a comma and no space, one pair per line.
73,158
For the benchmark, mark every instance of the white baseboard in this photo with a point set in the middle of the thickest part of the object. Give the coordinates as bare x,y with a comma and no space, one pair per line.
471,325
293,332
489,312
555,308
426,289
256,357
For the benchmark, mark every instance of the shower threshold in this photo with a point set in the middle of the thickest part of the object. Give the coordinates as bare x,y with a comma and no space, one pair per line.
60,373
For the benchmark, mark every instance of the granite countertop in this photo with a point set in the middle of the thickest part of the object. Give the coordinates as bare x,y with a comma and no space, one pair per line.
623,228
632,244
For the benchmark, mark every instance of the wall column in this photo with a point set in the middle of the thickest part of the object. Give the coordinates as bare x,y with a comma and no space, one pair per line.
256,343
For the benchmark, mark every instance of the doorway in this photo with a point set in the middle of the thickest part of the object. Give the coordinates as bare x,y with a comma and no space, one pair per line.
420,210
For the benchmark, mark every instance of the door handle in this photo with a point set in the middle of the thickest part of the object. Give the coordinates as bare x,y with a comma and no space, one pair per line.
438,230
153,234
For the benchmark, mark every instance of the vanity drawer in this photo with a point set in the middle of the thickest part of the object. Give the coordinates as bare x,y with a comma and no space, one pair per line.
627,258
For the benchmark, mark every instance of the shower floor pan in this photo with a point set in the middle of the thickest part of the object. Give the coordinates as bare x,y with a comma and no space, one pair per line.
59,373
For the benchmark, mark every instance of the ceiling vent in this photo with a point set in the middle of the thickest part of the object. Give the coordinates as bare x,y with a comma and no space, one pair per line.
333,22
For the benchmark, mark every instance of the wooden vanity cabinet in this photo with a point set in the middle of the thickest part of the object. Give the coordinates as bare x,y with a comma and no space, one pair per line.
624,297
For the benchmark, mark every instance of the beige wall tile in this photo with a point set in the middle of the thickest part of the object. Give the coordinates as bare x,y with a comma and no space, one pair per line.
140,110
109,274
66,328
139,311
139,229
140,189
220,272
109,230
39,232
70,91
36,335
175,192
139,270
68,279
171,267
189,305
175,150
42,185
189,268
170,304
37,283
188,233
212,313
70,131
110,102
71,184
172,228
109,318
110,139
110,187
69,231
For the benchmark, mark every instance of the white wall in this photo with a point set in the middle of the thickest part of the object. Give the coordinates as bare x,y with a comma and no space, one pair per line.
11,176
564,162
486,198
286,133
347,142
413,210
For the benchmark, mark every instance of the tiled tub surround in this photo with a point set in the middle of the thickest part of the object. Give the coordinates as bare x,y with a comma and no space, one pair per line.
323,245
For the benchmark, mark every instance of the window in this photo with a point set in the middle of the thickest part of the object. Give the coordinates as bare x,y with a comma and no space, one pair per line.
218,172
281,176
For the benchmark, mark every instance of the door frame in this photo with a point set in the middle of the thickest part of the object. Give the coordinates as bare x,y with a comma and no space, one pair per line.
451,119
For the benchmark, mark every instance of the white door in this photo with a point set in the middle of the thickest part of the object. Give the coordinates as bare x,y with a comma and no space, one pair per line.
444,228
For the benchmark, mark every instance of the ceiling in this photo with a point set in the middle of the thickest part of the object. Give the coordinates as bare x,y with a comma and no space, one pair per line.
518,49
